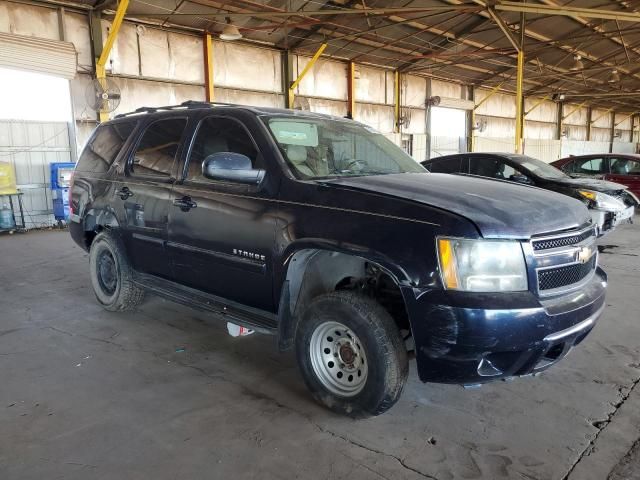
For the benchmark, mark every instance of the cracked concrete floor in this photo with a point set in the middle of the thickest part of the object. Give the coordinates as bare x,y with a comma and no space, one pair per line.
165,393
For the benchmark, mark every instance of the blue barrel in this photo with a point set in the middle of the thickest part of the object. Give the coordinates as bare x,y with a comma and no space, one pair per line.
6,218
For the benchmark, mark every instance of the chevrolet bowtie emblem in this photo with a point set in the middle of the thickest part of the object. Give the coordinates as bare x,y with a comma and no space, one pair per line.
584,254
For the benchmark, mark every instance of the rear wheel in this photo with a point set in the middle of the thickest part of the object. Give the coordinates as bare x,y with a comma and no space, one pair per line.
111,274
351,354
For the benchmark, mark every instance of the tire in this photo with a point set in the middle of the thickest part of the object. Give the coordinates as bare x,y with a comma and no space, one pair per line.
347,333
111,275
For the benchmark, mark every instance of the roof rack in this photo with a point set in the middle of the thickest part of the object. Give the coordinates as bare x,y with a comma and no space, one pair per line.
183,106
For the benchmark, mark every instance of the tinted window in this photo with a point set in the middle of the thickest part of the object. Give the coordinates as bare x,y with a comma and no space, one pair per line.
104,146
158,147
217,134
590,166
624,166
447,165
484,167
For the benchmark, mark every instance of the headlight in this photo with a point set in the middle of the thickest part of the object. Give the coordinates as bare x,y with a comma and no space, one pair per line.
482,265
602,200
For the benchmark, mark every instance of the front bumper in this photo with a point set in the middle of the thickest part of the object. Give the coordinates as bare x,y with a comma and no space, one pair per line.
607,220
459,339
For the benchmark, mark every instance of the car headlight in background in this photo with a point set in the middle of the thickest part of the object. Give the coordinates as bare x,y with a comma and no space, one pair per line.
602,200
482,265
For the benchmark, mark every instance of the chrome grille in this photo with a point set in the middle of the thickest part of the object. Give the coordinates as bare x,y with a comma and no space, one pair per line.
548,243
558,260
552,278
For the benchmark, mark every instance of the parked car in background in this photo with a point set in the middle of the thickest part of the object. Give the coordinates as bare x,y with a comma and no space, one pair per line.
321,231
609,203
616,167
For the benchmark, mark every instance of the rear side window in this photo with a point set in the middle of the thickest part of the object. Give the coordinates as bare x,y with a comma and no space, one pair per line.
104,146
158,147
587,167
484,167
447,165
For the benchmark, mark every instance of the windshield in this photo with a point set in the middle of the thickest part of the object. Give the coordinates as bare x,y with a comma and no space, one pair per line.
325,148
539,168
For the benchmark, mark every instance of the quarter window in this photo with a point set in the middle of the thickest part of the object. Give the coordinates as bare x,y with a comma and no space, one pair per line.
215,135
104,146
590,166
158,147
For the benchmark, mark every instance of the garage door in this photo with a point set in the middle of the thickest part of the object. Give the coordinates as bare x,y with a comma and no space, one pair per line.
39,55
31,147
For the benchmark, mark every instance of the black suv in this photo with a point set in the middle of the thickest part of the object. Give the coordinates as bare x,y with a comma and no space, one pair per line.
321,231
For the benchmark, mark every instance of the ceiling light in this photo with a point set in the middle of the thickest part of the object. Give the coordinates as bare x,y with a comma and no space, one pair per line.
614,77
577,63
230,32
558,97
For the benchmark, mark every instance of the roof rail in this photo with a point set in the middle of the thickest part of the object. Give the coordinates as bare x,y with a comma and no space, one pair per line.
184,105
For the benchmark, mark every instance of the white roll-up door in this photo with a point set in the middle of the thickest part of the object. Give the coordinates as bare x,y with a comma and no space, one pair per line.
40,55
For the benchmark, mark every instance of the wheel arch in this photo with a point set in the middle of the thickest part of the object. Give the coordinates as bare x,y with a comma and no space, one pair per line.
313,270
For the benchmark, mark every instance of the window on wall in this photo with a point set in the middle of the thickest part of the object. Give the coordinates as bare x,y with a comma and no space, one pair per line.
158,147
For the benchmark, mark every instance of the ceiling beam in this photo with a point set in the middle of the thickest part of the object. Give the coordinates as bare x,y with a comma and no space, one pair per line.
567,11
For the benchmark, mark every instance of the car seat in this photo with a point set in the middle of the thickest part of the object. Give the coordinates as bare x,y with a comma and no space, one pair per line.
297,155
620,167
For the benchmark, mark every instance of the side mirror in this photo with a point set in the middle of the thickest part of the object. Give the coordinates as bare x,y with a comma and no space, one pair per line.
231,166
521,179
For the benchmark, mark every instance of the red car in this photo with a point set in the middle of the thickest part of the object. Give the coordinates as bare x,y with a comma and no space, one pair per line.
621,168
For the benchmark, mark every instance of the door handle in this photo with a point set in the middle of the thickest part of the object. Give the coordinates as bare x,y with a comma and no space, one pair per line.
185,203
124,193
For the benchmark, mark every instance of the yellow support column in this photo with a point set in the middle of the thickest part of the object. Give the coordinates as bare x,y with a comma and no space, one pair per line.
519,103
101,72
208,67
305,70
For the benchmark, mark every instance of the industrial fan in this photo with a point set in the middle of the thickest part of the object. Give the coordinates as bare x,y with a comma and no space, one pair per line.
103,95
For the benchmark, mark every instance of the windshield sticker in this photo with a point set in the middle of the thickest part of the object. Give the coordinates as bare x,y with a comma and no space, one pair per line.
295,133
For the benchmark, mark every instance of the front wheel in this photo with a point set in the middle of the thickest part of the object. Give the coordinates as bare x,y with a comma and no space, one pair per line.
351,354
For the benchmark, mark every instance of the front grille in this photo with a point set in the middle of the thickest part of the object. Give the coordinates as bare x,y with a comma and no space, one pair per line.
558,277
549,243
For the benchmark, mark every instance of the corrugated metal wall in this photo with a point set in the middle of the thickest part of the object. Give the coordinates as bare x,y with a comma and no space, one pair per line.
31,147
156,67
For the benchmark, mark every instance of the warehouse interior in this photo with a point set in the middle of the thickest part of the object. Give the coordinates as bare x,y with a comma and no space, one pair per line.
164,392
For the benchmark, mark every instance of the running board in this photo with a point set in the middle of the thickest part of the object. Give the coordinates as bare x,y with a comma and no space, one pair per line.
229,311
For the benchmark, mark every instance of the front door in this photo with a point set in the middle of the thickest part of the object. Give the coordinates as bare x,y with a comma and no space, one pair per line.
144,195
221,233
625,171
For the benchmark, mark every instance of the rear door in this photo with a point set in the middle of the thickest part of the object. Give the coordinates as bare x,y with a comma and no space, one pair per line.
143,194
626,171
221,233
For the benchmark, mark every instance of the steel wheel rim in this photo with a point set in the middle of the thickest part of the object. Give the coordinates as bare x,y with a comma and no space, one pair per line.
338,359
107,272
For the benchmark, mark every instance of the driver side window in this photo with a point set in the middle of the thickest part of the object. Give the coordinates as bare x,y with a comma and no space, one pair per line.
215,135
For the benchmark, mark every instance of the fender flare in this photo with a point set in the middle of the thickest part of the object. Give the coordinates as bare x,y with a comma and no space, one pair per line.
300,284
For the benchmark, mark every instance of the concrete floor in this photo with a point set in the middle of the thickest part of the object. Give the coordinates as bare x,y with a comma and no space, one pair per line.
165,393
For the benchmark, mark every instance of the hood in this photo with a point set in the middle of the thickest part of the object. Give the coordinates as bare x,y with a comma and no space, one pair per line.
499,209
588,183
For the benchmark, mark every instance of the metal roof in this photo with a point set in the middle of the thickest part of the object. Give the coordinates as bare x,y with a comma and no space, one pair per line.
568,50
